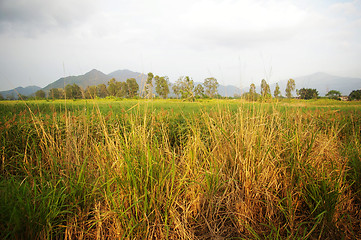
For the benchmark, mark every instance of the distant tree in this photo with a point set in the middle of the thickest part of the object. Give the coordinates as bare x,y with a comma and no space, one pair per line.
133,87
199,91
185,87
176,89
162,86
40,94
333,94
265,89
54,93
73,91
102,91
355,95
277,91
290,87
10,96
308,93
1,97
149,85
112,87
211,86
122,89
90,92
252,95
22,97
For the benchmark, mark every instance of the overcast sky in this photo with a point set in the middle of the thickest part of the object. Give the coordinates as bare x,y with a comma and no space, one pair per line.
238,42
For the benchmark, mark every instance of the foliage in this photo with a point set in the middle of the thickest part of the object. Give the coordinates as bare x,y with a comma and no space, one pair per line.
211,86
102,91
90,92
133,87
56,93
184,87
40,94
162,86
333,94
290,87
73,91
252,95
199,91
265,89
277,91
308,93
149,85
355,95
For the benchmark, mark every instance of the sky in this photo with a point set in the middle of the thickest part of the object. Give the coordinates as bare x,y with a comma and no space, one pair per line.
238,42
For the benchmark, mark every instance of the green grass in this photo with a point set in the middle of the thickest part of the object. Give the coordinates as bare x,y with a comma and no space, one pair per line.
168,169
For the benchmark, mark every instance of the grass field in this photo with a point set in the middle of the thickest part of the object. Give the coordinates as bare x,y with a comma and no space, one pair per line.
167,169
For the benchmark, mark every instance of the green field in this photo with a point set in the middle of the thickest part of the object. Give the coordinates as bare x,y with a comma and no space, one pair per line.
170,169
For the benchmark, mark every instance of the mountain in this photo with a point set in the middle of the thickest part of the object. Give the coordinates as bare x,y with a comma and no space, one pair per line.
94,77
323,82
13,94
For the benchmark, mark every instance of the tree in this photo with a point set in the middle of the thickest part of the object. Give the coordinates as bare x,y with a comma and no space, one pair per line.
133,87
122,89
40,94
102,91
265,89
355,95
149,85
55,93
90,92
211,86
290,87
333,94
277,91
1,97
112,87
162,86
199,91
185,87
73,91
308,93
251,95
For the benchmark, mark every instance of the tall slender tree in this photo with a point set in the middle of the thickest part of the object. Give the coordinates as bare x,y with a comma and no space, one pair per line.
277,91
290,87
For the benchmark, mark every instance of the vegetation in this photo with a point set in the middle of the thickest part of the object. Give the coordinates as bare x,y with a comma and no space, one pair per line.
277,92
290,87
180,170
211,86
333,94
308,93
355,95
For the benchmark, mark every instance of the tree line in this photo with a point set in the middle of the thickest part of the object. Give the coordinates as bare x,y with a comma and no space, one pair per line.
303,93
155,86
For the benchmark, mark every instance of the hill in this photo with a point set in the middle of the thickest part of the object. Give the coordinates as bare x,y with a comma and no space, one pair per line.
13,94
94,77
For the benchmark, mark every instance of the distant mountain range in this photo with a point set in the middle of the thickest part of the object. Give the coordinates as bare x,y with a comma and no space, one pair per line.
321,81
13,94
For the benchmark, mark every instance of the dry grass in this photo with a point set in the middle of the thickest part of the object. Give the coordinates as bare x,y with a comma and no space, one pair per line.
255,173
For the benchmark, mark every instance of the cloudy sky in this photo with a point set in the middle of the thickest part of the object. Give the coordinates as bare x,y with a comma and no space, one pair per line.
236,41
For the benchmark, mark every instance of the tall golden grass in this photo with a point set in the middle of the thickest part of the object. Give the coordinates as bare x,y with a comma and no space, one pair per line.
254,173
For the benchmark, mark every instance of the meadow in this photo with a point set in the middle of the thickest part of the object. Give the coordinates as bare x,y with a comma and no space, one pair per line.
170,169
